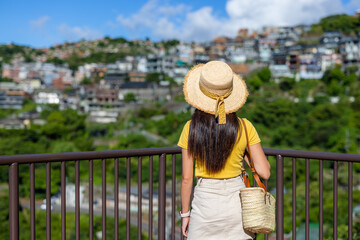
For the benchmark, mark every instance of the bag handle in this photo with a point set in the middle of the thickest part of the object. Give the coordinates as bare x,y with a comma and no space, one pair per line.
244,173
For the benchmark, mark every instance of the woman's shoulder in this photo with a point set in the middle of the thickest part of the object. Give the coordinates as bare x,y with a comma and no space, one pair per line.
187,125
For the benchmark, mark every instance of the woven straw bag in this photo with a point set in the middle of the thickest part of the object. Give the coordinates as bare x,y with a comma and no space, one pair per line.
258,206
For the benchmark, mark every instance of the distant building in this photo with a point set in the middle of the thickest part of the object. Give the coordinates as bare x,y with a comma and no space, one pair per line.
280,71
180,71
241,35
137,76
350,49
11,96
46,96
11,72
160,64
141,65
144,91
331,39
96,98
115,77
11,122
279,57
98,72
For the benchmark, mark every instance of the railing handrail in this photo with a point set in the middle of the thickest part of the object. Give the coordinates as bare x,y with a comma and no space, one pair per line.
91,155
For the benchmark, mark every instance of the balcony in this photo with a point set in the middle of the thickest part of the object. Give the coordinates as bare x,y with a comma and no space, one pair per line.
156,214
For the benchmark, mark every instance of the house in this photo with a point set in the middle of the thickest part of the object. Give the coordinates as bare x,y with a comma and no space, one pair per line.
293,57
180,71
331,39
30,84
46,96
11,96
200,54
99,98
11,123
98,72
137,76
280,71
350,49
114,77
250,48
217,52
279,57
11,72
124,65
310,66
164,64
184,52
70,99
241,35
141,65
144,91
265,49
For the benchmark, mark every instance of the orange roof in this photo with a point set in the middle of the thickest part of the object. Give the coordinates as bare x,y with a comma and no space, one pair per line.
220,40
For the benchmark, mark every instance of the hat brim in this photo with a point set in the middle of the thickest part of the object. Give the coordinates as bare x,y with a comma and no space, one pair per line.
195,97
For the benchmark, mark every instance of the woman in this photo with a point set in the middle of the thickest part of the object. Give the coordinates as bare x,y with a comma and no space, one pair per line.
215,140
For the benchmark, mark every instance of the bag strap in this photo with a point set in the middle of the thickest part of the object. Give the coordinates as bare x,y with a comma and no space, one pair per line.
244,173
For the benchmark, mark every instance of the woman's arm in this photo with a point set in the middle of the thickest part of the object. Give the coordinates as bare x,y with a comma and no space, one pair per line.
261,164
186,186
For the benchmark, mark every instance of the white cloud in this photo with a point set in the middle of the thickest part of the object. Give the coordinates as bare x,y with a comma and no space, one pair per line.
203,24
76,33
39,23
155,17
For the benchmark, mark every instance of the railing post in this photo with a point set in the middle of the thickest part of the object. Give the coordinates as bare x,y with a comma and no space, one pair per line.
162,196
279,197
14,201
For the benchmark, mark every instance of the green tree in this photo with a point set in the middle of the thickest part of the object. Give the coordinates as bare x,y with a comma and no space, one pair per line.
86,81
129,97
5,79
286,84
154,77
264,74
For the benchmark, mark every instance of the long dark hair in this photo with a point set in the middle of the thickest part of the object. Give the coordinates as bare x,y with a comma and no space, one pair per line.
211,143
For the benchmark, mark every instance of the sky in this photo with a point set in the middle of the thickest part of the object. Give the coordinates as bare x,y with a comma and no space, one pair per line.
45,23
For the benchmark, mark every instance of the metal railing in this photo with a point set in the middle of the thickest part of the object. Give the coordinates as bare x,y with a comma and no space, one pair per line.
15,160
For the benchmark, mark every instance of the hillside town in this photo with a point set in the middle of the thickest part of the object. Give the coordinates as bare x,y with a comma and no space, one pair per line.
127,74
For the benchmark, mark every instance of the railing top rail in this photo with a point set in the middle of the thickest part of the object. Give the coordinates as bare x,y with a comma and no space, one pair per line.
71,156
346,157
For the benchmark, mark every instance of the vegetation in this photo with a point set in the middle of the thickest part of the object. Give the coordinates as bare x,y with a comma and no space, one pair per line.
343,23
40,224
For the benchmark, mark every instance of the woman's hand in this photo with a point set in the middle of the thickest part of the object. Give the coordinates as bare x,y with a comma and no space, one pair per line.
185,225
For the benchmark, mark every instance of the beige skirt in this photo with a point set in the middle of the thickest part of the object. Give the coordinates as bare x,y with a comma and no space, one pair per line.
216,210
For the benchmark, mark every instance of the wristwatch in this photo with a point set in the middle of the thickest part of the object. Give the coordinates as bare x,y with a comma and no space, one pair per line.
185,214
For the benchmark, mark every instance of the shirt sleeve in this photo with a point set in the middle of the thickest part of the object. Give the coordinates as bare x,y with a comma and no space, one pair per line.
253,135
183,140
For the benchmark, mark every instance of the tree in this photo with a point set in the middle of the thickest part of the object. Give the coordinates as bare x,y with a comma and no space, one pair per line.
154,77
287,84
264,74
254,83
129,97
86,81
5,79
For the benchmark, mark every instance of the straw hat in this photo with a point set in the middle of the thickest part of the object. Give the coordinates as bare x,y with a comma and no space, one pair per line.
214,88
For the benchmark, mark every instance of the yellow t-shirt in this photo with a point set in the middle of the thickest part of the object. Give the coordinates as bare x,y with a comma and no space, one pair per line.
233,164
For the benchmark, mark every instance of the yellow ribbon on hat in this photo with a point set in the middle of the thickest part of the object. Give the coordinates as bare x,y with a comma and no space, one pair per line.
220,104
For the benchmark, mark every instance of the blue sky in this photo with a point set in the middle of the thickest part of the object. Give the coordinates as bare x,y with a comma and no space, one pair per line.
44,23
